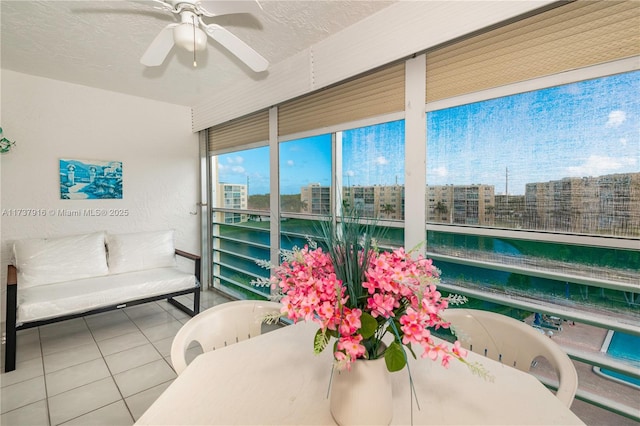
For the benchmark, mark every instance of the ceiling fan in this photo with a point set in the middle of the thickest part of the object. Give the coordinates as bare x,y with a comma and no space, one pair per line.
191,33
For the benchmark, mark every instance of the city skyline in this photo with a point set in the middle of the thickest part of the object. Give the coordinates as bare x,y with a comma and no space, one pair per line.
535,135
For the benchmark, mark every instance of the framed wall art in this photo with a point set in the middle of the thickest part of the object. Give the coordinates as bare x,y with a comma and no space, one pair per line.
90,179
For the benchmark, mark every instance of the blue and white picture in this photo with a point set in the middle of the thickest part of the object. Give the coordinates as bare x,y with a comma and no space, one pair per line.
90,179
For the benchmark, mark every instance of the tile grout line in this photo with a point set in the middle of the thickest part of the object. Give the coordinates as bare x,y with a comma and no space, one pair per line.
44,379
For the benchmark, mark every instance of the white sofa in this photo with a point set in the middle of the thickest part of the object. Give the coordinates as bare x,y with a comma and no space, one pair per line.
55,279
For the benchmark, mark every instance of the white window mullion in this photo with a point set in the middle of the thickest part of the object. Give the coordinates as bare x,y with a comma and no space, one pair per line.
336,154
415,153
205,204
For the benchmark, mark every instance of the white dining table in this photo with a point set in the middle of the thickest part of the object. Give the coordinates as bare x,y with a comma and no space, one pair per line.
276,379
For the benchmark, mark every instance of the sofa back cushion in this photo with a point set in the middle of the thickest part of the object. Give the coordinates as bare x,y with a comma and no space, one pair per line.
42,261
140,251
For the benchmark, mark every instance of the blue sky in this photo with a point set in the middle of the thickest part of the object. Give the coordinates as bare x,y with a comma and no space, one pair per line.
590,128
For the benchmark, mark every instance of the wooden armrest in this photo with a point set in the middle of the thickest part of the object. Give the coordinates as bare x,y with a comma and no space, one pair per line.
195,258
12,275
187,255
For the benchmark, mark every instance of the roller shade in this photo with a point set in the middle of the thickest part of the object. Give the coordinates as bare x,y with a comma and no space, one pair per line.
571,36
242,131
375,93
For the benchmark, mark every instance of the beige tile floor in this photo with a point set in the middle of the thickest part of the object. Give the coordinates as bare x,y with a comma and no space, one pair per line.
104,369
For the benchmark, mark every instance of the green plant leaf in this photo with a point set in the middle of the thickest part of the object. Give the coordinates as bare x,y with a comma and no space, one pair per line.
320,341
408,346
394,357
368,326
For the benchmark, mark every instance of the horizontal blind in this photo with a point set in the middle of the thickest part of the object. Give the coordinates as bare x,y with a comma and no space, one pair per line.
242,131
369,95
571,36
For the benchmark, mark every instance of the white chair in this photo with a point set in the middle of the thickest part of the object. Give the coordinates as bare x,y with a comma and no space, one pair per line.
221,326
512,343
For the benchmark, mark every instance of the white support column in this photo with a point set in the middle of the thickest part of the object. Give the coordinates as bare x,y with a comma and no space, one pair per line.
274,186
415,153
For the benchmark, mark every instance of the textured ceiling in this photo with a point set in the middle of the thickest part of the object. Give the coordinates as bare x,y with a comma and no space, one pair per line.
99,43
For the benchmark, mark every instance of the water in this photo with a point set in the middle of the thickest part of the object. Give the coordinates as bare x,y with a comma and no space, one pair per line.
625,347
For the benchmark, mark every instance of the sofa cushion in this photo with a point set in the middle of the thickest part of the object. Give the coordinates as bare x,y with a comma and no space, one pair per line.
54,300
42,261
140,251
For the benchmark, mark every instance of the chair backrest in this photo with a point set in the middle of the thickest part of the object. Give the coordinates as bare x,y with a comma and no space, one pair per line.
512,343
221,326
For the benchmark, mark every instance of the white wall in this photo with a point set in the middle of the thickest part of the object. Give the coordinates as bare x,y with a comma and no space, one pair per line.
50,120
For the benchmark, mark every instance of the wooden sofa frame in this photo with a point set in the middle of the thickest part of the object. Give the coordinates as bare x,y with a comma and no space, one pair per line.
12,306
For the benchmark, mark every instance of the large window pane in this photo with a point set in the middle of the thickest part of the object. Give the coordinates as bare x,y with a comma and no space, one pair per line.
241,180
240,232
373,170
305,175
565,158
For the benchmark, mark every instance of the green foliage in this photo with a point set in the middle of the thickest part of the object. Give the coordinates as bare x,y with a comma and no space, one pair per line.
291,203
258,202
394,357
350,243
369,325
320,341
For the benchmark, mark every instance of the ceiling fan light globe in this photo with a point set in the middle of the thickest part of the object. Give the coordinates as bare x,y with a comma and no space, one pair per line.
183,37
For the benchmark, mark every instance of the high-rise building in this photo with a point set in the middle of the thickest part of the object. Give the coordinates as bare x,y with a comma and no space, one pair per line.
315,199
461,204
231,196
609,203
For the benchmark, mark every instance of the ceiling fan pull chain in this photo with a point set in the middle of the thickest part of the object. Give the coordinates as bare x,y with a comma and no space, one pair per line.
195,64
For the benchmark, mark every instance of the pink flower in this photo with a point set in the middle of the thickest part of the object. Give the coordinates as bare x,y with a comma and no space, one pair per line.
382,304
459,350
395,286
351,346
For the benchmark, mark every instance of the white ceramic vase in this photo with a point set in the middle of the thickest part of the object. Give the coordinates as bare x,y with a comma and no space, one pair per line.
362,395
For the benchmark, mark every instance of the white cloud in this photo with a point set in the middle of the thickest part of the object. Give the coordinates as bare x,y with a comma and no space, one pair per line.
616,118
290,163
623,141
381,161
235,160
597,165
440,171
350,173
223,168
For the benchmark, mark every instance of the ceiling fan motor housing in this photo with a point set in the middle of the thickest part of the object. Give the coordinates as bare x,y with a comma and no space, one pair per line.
188,34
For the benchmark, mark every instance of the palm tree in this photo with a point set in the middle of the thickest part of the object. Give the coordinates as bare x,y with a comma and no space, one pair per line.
387,209
441,210
489,213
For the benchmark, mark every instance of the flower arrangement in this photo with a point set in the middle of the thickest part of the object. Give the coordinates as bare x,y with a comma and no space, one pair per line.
358,294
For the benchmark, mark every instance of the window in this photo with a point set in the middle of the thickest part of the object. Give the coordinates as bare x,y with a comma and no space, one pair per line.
240,219
561,161
305,175
373,170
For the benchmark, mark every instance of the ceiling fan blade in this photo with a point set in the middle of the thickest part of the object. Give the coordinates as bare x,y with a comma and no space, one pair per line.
159,47
238,47
226,7
157,4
